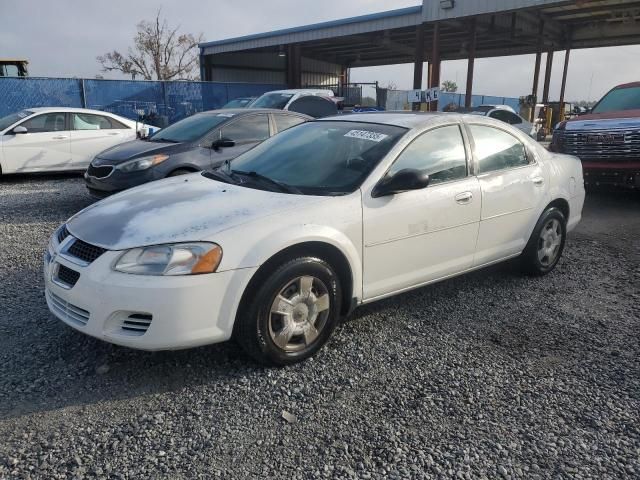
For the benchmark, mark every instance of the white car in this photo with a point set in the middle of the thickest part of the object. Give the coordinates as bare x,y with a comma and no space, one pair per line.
506,114
316,103
59,139
275,247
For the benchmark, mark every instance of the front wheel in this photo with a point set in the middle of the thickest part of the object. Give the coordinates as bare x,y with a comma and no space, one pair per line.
289,315
544,249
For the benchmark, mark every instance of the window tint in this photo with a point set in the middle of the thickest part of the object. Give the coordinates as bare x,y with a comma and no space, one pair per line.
315,107
501,115
191,128
6,122
624,98
87,121
287,121
440,152
514,119
49,122
497,150
254,128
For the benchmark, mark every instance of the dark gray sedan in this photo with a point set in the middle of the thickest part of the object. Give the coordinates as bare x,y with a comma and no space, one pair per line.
201,142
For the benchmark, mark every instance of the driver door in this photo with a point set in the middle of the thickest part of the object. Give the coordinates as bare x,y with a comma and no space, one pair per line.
45,147
246,131
418,236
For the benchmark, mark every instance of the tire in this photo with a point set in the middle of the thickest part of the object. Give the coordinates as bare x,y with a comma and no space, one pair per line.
545,247
277,332
179,171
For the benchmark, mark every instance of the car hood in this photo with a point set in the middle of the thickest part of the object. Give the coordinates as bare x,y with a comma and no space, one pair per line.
609,120
136,149
179,209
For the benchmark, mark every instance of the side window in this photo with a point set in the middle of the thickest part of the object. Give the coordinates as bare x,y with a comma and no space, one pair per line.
514,119
287,121
501,115
497,150
254,128
49,122
88,121
440,152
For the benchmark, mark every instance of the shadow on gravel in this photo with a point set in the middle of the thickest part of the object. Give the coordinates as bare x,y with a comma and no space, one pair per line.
31,177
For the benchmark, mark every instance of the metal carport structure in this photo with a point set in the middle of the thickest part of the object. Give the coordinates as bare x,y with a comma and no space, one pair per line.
435,31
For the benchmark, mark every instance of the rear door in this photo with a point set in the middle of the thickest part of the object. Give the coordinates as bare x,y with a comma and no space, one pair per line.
92,133
513,187
45,147
284,121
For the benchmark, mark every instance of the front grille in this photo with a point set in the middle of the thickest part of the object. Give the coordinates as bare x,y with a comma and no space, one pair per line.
622,145
99,172
137,323
63,233
67,311
85,251
67,276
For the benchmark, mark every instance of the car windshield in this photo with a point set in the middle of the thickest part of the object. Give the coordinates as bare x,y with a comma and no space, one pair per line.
619,99
6,122
272,100
320,158
192,128
238,103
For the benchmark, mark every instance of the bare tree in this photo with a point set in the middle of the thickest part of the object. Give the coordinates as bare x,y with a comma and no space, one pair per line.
159,53
449,86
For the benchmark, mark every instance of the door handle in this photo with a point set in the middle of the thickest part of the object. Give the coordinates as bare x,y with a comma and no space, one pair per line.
538,181
60,137
464,198
114,133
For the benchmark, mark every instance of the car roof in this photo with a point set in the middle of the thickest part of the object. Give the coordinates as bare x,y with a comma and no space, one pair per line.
309,91
72,110
400,119
245,111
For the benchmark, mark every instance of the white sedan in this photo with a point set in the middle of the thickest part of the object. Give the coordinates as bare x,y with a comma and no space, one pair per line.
275,247
505,114
59,139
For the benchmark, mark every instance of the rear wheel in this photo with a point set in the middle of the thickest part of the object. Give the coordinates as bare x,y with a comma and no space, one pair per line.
289,315
545,247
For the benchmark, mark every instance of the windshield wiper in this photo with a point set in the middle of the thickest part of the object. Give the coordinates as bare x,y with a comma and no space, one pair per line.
221,176
283,187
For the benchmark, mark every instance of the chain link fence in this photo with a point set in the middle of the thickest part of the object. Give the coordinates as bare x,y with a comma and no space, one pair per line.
157,102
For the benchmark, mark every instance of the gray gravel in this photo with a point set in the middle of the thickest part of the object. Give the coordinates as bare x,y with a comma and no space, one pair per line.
490,375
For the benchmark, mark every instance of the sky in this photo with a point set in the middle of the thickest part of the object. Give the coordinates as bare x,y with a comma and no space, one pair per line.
62,38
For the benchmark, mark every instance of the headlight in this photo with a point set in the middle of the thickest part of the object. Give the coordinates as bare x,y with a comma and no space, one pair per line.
142,163
173,259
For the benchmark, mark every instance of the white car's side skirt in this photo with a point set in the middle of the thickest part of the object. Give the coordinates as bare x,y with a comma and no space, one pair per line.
435,280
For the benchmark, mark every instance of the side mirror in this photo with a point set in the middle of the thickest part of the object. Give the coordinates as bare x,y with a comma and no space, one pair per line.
222,143
19,129
403,181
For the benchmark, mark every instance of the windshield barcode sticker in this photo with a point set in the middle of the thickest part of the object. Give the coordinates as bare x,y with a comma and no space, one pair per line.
366,135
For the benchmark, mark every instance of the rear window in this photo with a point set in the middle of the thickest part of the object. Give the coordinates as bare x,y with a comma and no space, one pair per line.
619,99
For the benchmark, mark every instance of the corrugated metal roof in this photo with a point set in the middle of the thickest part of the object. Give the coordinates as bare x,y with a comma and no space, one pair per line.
346,26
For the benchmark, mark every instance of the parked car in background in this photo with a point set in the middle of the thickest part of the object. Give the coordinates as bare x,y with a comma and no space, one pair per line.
202,141
313,102
607,139
273,248
56,139
13,67
242,102
505,114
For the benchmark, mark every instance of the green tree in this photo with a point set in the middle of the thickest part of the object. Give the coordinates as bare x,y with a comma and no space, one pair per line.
449,86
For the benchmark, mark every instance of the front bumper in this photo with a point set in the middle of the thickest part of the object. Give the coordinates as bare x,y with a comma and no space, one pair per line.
619,174
118,181
145,312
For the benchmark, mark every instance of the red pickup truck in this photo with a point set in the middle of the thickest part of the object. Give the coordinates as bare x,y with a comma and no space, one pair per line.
607,139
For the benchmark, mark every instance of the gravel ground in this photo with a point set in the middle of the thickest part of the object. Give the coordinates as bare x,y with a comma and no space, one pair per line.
490,375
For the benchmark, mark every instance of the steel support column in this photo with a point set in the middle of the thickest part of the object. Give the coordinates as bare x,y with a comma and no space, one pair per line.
418,64
470,64
434,80
547,77
564,81
536,70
